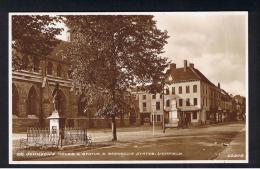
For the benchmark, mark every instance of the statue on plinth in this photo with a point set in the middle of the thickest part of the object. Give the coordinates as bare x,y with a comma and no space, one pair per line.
56,98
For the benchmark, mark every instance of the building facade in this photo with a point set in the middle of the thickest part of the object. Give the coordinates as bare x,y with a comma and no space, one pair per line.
198,100
32,102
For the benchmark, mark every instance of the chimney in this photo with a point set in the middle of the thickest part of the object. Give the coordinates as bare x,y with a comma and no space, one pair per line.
218,85
172,66
192,65
185,65
68,36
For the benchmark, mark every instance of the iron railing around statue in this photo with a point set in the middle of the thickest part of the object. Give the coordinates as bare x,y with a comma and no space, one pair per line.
41,137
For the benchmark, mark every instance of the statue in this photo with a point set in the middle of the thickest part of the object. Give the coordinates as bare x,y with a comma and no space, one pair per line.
56,97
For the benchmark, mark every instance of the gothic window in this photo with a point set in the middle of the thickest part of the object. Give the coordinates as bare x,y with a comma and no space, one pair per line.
49,68
25,63
15,101
59,70
32,105
61,103
69,73
82,104
36,64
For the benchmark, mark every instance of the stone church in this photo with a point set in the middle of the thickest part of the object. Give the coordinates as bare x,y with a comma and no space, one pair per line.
32,90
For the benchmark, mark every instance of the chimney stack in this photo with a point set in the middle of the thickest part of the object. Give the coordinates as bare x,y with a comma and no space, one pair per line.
185,65
191,65
172,66
218,85
68,36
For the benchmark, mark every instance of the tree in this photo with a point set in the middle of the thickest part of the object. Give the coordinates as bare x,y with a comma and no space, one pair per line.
33,36
110,54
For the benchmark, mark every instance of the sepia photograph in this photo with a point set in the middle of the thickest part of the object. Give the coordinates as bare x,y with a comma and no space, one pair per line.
128,87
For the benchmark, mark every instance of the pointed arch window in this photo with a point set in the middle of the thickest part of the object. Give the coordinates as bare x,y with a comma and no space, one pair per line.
82,104
59,70
15,100
32,104
49,68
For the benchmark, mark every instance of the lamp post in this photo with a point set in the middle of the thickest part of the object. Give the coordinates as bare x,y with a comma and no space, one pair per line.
153,109
163,80
163,118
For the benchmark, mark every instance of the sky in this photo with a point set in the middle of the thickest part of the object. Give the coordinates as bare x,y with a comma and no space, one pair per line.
215,42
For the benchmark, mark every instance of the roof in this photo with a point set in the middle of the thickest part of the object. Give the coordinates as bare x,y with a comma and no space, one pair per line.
191,74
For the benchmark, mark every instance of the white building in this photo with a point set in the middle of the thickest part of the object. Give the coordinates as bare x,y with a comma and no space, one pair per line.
196,97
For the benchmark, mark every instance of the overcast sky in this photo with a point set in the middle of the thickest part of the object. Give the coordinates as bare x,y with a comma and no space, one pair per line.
214,42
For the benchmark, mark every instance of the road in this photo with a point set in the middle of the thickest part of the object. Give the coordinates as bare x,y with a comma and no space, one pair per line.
204,143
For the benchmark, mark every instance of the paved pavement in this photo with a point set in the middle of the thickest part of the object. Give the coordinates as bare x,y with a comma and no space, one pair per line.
176,144
235,149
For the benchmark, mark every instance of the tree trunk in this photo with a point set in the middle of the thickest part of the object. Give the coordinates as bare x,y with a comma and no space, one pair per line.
114,128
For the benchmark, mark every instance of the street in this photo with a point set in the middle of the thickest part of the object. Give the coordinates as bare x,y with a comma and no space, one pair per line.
221,142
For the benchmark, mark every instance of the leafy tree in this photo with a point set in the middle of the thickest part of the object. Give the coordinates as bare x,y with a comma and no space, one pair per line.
33,36
110,54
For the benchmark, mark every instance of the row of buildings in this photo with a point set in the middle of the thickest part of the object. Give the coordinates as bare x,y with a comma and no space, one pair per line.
197,99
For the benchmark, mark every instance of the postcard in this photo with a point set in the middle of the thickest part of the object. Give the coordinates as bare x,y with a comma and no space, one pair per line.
128,87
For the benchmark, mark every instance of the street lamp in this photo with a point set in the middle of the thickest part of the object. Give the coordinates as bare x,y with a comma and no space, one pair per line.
162,81
153,115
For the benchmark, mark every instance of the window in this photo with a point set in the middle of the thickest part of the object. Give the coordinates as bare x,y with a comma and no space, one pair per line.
160,96
187,102
194,88
82,105
180,102
187,89
167,92
69,73
32,102
158,118
173,90
180,90
49,68
144,97
153,119
154,96
195,101
59,70
167,103
36,64
25,63
144,106
194,115
158,106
